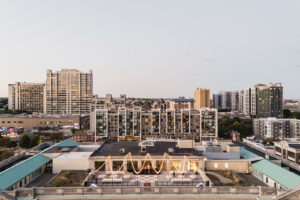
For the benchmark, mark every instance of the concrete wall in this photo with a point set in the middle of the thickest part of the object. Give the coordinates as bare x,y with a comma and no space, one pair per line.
121,192
60,164
236,166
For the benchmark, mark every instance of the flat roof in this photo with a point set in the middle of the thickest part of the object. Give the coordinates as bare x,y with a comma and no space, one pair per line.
183,100
159,148
295,146
14,174
74,155
280,175
67,143
246,155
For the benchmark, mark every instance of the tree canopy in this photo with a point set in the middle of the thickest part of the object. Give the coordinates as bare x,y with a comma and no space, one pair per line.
244,127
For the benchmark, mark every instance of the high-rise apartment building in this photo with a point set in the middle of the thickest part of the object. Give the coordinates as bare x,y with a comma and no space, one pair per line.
26,96
222,100
68,91
262,100
138,124
279,129
201,98
269,99
249,101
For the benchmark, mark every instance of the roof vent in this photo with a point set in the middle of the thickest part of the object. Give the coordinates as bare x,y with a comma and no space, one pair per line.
122,151
170,150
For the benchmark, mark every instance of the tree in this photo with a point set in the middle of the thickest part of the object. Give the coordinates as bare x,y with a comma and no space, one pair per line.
25,141
269,141
244,127
6,142
73,130
34,141
287,113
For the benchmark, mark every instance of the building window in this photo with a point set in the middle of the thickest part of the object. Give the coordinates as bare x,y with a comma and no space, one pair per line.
216,165
226,165
267,180
275,185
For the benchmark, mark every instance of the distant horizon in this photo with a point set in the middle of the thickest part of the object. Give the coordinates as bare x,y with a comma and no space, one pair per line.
153,49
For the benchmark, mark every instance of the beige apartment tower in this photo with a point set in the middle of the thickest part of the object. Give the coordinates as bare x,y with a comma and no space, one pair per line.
201,98
68,91
26,96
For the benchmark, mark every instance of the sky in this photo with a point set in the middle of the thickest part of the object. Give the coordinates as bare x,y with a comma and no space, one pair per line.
157,48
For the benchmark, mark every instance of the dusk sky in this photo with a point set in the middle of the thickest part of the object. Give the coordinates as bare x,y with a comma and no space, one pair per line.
153,48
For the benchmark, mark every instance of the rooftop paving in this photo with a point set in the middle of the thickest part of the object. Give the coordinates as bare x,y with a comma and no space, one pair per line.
159,148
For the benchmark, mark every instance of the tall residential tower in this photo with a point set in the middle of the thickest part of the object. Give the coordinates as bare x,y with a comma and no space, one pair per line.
26,96
269,100
201,98
68,91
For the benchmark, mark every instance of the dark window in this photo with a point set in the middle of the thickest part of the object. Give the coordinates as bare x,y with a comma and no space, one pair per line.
291,154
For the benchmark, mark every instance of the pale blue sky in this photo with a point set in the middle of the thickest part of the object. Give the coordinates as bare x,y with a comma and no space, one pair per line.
153,48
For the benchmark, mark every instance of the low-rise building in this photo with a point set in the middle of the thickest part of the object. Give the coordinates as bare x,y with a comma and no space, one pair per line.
288,150
41,120
182,103
24,172
274,175
83,137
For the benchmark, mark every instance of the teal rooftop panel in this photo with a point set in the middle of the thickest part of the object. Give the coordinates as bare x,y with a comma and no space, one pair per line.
67,143
280,175
14,174
245,154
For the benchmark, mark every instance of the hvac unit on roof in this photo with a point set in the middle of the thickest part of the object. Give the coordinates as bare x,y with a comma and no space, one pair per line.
122,151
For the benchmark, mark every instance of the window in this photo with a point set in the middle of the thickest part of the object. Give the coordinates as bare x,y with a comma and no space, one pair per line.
291,154
267,180
216,165
275,185
226,165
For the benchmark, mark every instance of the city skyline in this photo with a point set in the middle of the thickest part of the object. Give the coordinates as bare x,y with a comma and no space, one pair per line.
172,45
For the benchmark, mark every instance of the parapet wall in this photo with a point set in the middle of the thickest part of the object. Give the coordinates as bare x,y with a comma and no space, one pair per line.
81,191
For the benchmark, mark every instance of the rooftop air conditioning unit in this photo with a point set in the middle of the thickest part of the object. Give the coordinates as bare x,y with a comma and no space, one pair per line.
122,151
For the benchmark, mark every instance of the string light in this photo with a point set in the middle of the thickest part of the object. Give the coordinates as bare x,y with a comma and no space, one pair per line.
147,158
